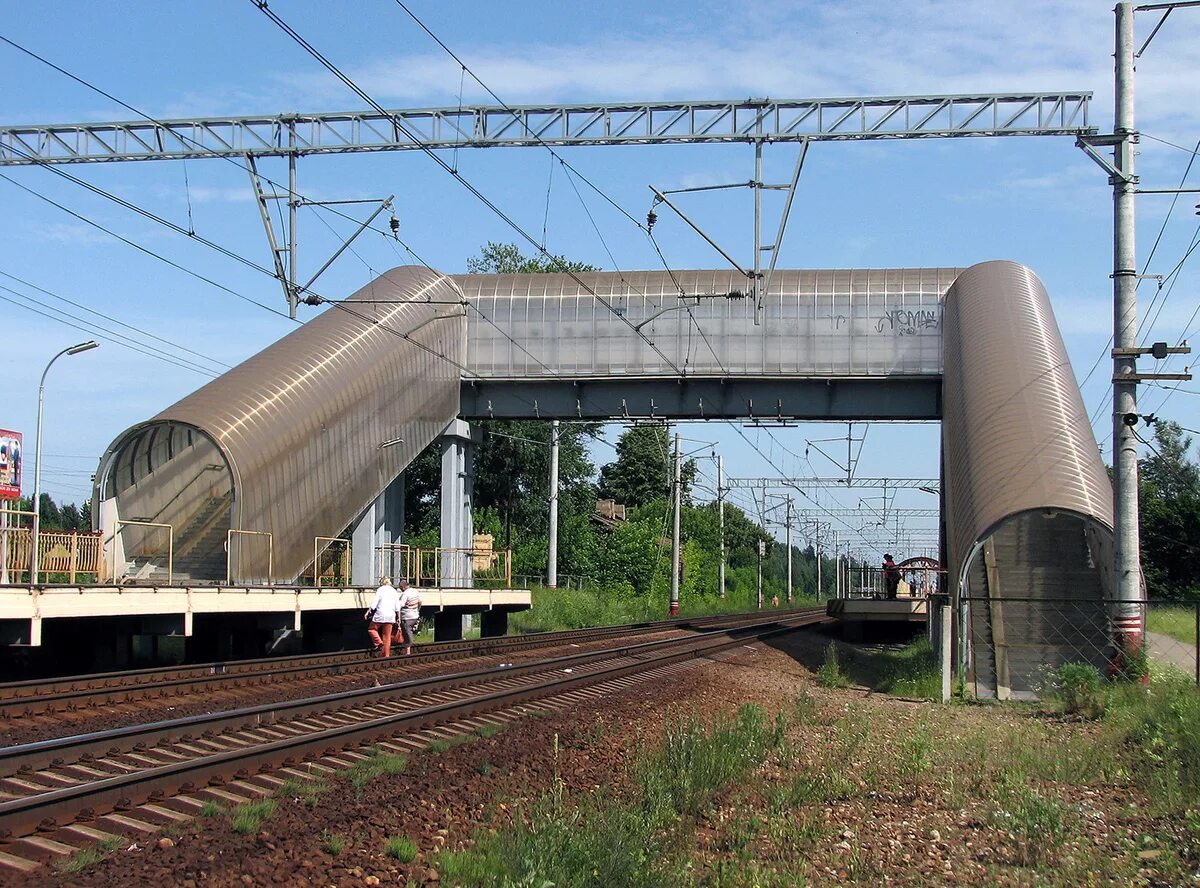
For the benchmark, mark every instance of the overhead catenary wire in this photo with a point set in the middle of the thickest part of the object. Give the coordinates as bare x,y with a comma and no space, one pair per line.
350,84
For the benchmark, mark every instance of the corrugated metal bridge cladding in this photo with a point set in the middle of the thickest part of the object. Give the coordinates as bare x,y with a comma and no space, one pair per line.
289,442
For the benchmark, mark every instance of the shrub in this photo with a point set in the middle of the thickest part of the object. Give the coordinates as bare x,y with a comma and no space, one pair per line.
1078,689
829,675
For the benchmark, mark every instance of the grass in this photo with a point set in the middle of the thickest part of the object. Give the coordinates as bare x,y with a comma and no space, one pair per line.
448,743
1177,622
332,843
212,809
377,764
829,675
307,791
401,848
909,672
601,840
81,860
487,729
248,817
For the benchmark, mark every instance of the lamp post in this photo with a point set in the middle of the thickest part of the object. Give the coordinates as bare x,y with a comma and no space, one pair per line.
37,456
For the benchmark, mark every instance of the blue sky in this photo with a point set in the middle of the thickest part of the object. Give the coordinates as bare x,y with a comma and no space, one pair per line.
1038,201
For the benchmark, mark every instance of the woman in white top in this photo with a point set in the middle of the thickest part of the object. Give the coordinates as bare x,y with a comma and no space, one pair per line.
382,617
410,614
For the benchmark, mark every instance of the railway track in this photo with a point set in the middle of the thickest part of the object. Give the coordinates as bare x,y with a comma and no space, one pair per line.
169,768
38,696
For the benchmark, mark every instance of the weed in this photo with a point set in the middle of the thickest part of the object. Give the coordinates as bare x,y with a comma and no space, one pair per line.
913,756
487,729
112,843
694,763
307,791
401,848
1036,823
829,675
377,764
439,746
332,843
1078,689
816,788
484,768
212,809
597,731
249,817
81,860
804,711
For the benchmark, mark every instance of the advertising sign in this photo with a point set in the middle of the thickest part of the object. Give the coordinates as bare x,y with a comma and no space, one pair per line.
10,464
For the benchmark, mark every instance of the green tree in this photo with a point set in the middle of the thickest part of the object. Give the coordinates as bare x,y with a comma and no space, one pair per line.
643,468
1170,514
508,259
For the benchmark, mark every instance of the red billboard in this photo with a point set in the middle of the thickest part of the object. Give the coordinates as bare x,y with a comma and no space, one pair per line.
10,464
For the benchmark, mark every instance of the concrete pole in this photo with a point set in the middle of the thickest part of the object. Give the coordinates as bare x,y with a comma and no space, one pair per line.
677,486
1127,623
761,546
721,522
789,549
817,524
837,568
552,554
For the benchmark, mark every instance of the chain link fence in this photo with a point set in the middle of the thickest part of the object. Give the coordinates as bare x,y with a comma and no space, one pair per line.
1016,644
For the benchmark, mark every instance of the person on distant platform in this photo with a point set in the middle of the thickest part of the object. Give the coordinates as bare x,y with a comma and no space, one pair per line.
410,614
891,576
382,617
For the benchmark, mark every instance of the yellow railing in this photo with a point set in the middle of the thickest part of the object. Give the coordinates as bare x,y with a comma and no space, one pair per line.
394,560
122,522
449,567
336,557
229,551
60,553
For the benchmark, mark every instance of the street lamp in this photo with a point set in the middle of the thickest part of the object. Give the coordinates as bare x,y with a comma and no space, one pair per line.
37,455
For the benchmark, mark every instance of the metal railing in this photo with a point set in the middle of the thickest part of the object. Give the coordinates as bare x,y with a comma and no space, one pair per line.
66,553
1017,644
129,522
229,551
445,566
340,560
394,560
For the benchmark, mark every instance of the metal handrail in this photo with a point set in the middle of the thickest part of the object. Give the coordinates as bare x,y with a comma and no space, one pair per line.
317,555
229,551
124,522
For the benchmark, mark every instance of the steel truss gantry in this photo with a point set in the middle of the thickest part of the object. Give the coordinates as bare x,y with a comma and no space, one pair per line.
747,120
930,485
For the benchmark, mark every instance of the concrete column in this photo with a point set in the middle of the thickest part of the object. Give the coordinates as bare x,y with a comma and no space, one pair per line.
493,624
447,626
381,524
458,481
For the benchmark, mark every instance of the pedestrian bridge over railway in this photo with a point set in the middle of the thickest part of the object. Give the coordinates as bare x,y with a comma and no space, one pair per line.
311,435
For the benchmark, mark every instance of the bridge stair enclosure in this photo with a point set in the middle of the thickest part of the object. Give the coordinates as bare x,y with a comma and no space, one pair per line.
1042,605
1028,500
308,432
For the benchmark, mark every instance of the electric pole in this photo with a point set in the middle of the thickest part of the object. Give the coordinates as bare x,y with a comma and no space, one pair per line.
552,554
721,522
788,536
678,474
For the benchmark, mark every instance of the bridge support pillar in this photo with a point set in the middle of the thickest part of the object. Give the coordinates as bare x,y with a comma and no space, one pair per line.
448,626
493,624
458,482
381,524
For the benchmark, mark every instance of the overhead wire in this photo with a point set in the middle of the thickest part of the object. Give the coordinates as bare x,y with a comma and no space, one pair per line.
350,84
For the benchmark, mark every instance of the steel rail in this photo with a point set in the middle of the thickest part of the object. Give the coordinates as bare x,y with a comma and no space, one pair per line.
23,816
35,696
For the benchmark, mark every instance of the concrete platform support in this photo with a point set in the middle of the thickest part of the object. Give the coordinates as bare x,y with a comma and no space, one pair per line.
447,626
493,624
381,524
458,482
